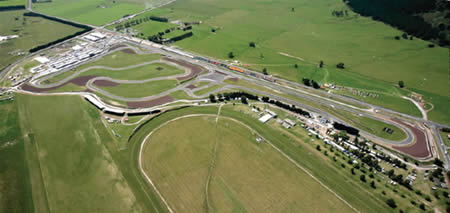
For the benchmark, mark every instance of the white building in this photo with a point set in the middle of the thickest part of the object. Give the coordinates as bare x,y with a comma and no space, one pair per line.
265,118
42,60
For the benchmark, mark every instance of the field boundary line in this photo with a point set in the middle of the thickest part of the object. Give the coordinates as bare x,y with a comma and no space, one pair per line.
276,148
213,161
298,166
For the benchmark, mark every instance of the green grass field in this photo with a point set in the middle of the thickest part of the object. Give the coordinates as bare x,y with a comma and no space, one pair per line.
6,3
15,188
370,125
207,90
178,163
32,31
444,136
114,60
357,194
97,12
75,155
374,60
141,90
140,73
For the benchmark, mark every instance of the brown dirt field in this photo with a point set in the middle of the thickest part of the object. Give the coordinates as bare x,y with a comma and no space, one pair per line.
222,73
80,81
105,83
420,148
128,51
152,103
195,69
191,87
234,79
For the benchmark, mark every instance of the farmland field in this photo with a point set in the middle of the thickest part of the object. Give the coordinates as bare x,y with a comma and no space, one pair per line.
6,3
15,190
179,164
32,31
77,170
353,192
373,59
96,12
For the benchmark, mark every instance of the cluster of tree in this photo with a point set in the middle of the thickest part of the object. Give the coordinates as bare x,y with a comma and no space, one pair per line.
32,14
135,22
342,135
404,15
158,38
404,36
340,66
399,179
181,37
310,83
339,13
233,95
438,162
252,44
160,19
16,7
291,108
446,130
40,47
391,203
350,130
437,173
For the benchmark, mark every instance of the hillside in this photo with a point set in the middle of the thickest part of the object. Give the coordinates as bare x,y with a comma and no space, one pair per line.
426,19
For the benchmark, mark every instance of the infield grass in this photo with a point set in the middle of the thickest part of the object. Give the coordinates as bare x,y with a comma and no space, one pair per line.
117,59
141,90
351,190
179,165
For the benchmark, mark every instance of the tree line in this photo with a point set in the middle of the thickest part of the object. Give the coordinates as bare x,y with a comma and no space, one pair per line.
15,7
135,22
402,14
350,130
40,47
291,108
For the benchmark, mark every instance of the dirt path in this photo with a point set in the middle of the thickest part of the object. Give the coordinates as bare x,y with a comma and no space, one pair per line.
213,162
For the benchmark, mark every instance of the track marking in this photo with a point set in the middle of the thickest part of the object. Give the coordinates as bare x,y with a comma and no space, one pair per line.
276,148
